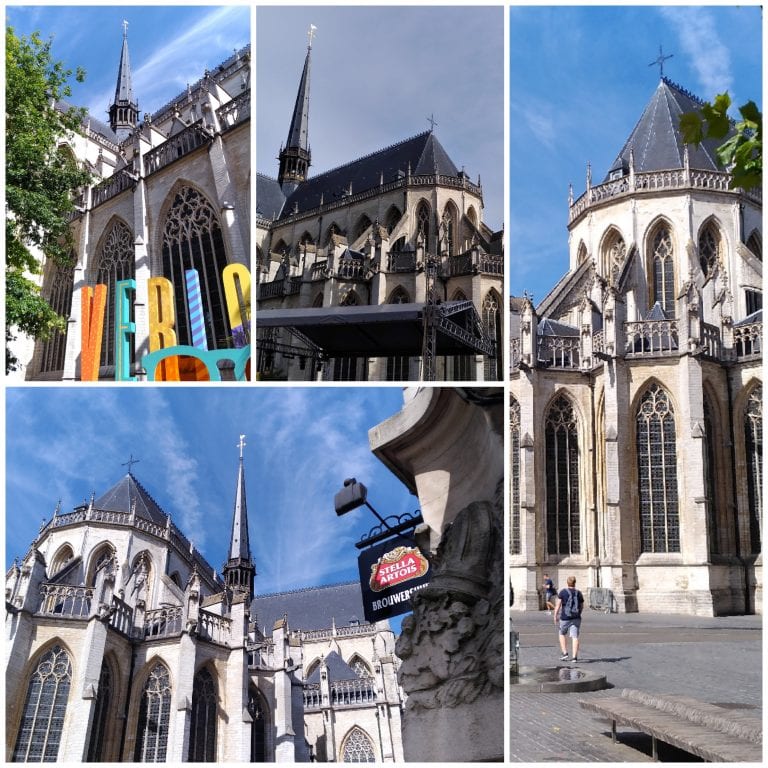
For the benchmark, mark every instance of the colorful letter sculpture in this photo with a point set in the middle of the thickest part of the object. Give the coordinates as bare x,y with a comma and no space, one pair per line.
94,301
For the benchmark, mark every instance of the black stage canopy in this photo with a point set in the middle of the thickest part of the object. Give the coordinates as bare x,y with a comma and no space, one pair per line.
384,330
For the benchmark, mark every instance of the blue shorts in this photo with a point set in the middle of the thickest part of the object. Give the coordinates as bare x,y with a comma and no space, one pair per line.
570,627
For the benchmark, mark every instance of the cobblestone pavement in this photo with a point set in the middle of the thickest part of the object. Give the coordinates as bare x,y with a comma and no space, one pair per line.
716,660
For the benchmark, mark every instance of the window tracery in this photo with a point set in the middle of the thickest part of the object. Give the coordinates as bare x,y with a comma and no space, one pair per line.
45,707
492,323
202,743
422,223
753,433
358,748
60,298
657,472
192,239
154,717
709,250
257,711
663,271
562,467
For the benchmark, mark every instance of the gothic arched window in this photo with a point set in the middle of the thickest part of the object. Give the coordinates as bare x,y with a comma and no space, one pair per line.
59,294
492,324
202,739
257,711
103,555
42,720
562,473
753,434
358,748
362,224
614,255
154,717
63,556
392,218
422,222
710,469
514,476
360,667
709,249
97,743
657,472
663,270
115,261
755,244
192,239
450,217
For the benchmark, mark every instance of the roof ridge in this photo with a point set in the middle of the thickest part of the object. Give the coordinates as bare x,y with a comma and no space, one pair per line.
370,154
146,492
266,176
682,90
307,589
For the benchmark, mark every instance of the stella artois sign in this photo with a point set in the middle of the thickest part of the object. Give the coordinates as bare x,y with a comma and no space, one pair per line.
389,573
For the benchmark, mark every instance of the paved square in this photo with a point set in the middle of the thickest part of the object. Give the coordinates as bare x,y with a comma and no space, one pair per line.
716,660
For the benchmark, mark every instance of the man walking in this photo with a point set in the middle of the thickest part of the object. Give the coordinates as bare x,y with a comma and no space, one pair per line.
570,603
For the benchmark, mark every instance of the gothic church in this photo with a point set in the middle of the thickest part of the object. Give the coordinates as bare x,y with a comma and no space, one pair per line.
381,269
170,193
636,388
125,645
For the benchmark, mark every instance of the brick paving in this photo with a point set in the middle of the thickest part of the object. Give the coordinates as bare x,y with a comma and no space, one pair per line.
716,660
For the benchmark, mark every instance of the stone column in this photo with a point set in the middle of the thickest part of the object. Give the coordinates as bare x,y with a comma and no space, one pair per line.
453,668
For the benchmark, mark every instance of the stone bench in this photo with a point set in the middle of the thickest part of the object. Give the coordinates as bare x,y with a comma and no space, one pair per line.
705,730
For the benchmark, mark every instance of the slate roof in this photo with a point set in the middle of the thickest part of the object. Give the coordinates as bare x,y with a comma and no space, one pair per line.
338,669
97,126
269,197
121,496
549,327
312,608
423,154
656,139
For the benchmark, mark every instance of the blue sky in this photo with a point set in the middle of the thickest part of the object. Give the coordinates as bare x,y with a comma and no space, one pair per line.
579,81
377,74
169,46
301,445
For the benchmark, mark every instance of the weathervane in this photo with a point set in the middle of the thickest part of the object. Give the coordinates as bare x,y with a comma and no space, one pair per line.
432,122
660,61
311,33
241,445
131,461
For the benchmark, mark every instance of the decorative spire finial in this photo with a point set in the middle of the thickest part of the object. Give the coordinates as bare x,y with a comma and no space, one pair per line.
241,445
660,61
432,122
125,28
310,34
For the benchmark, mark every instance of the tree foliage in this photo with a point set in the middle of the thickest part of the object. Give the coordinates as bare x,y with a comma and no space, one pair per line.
40,179
741,153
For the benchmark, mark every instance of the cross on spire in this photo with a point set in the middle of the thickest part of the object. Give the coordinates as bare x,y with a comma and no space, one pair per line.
131,461
125,28
311,32
432,122
660,61
241,445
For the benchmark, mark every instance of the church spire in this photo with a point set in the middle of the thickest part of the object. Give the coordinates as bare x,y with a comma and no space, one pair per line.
239,569
295,157
124,110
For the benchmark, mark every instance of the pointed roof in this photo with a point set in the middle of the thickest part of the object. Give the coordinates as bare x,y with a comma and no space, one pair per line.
656,140
420,155
298,132
124,87
127,492
239,547
338,669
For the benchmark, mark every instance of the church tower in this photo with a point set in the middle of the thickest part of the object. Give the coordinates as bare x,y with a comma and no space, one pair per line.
295,157
124,111
239,569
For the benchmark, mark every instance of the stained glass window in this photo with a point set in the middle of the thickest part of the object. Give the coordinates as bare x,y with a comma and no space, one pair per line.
44,709
663,271
202,734
492,324
96,752
753,433
154,717
709,249
116,261
514,493
358,748
258,727
422,218
60,298
562,478
657,473
192,239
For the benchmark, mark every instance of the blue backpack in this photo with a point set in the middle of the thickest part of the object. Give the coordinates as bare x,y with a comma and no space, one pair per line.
571,607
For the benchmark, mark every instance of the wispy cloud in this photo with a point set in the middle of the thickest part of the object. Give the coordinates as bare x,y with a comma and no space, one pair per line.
700,39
